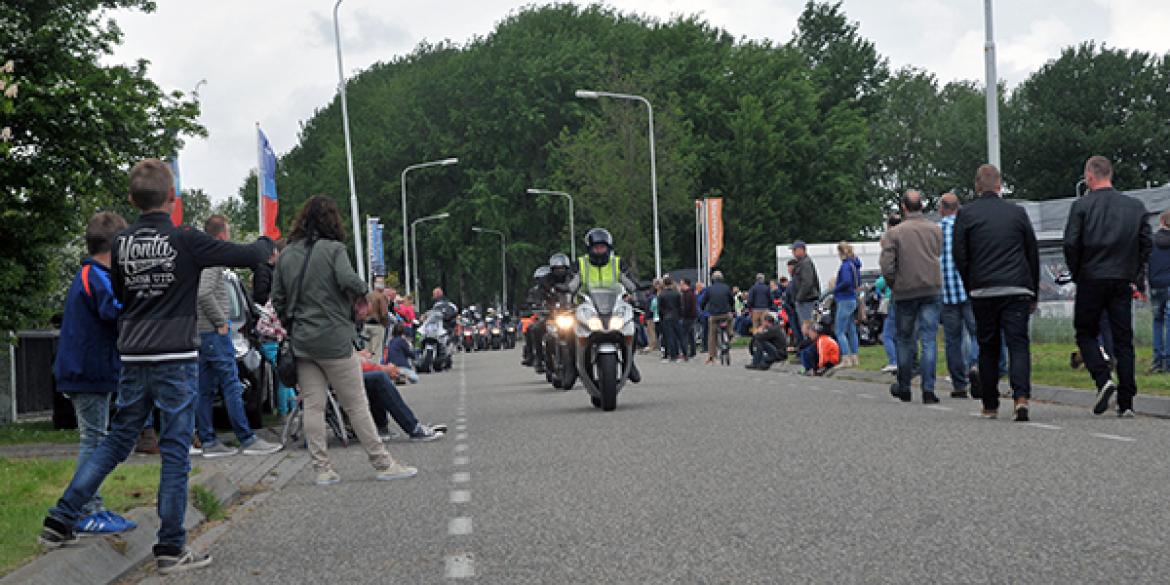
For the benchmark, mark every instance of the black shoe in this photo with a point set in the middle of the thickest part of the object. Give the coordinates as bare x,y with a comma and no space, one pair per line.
958,394
635,376
539,367
897,392
1021,413
973,380
184,561
1103,395
749,366
929,398
56,534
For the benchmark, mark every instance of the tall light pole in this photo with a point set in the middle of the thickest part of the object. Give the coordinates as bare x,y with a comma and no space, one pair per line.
992,90
503,262
405,241
572,226
414,242
353,201
592,95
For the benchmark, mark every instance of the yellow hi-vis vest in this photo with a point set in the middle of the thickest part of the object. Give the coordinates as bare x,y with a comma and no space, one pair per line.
608,276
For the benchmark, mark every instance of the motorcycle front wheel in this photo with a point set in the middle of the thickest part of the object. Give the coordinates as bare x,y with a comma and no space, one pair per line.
607,380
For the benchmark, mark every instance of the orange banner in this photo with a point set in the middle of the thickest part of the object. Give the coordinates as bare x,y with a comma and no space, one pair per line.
714,210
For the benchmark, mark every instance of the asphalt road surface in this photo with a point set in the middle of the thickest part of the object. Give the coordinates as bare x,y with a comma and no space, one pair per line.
710,474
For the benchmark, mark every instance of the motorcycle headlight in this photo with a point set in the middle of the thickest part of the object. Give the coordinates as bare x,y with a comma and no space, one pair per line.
616,322
594,324
495,331
564,321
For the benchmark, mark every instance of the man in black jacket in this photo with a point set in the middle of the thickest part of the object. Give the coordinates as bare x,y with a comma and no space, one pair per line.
770,344
995,252
1106,246
719,303
759,300
670,310
155,275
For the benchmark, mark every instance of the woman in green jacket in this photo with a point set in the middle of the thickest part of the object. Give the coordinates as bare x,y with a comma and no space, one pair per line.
316,306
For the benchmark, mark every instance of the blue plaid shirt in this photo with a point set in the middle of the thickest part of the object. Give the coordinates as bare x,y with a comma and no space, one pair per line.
953,291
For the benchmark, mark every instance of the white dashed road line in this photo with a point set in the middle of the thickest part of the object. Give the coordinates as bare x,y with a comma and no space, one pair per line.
459,563
940,407
1043,426
1114,437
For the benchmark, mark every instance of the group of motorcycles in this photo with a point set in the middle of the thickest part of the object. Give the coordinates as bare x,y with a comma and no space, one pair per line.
591,341
480,333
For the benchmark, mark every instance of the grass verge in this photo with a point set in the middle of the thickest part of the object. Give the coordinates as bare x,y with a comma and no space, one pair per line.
1049,368
35,432
28,487
206,502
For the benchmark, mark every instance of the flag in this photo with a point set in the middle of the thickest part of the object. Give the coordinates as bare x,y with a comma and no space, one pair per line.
177,211
714,222
266,185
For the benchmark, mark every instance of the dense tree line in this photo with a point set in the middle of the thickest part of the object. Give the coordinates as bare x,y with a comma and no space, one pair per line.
809,138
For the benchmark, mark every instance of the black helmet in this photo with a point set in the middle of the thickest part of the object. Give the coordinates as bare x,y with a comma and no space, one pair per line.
599,236
559,260
541,273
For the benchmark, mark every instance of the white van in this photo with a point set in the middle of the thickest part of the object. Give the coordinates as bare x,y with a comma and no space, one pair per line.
824,257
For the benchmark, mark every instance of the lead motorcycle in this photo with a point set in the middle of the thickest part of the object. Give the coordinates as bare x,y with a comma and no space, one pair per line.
605,344
436,347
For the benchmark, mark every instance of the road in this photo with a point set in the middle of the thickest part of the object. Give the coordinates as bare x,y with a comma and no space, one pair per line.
708,474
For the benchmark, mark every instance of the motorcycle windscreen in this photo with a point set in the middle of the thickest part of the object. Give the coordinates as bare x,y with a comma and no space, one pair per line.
605,299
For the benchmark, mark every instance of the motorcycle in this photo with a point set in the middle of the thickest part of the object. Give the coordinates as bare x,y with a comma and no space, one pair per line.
559,345
509,332
482,337
605,345
467,334
495,333
436,347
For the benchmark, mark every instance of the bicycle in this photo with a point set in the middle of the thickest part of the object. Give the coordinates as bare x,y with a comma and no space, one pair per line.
724,342
294,424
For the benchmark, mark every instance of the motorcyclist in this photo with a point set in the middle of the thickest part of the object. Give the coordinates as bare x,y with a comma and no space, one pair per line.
447,308
557,292
601,268
534,335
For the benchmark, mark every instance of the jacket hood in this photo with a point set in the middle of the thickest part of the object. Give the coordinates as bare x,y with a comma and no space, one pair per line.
1162,239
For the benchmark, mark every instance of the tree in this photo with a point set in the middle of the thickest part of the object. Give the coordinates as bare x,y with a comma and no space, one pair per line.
1091,100
75,131
196,207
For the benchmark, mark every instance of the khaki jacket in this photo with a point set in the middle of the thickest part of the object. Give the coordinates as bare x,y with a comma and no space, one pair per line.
910,258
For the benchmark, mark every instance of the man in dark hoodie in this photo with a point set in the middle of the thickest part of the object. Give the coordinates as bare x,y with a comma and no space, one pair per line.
1160,294
1106,246
154,273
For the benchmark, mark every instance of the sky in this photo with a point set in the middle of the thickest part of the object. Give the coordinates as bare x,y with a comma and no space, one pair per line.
274,61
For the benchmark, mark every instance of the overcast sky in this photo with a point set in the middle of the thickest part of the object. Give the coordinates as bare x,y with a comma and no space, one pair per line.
273,61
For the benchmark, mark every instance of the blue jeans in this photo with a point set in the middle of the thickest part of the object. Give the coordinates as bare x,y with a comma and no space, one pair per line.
809,357
845,328
888,328
171,387
1160,305
960,341
218,373
93,418
383,396
916,322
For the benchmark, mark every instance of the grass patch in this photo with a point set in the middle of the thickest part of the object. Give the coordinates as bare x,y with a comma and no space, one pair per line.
28,487
1049,368
206,502
22,433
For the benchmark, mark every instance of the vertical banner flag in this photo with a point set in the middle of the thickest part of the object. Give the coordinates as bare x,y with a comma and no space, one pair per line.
266,185
714,221
177,212
377,259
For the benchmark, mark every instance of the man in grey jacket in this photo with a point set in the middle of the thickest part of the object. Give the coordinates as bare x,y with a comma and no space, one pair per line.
910,264
805,282
217,361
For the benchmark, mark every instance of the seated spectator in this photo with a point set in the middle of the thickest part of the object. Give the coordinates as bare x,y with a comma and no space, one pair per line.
821,352
399,353
383,397
769,343
743,323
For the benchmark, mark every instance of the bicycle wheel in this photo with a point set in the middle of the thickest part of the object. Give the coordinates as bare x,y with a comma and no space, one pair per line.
294,426
724,348
336,421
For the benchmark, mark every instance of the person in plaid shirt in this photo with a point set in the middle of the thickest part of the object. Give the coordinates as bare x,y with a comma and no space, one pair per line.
958,320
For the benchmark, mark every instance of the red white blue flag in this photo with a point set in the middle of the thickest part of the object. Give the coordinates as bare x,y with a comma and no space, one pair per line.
177,211
266,183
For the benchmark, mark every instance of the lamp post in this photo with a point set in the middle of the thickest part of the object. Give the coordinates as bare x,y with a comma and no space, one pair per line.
414,242
503,262
405,241
353,201
992,89
592,95
572,226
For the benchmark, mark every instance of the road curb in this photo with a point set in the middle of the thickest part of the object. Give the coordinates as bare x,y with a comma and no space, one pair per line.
107,559
1156,406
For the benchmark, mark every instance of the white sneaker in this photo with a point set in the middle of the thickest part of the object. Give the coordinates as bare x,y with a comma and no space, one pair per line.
1127,413
890,369
259,446
422,433
396,471
328,477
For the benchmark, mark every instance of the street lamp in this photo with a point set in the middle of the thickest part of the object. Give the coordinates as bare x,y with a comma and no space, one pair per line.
405,256
353,201
503,262
572,227
992,96
414,242
592,95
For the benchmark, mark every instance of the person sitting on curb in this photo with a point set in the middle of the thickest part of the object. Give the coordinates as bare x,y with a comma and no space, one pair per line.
822,353
398,352
769,344
384,397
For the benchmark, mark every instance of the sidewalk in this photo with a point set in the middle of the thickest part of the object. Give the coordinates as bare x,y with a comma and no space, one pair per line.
1157,406
107,559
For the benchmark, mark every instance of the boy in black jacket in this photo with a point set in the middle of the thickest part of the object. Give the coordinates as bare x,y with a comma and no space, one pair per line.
155,275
